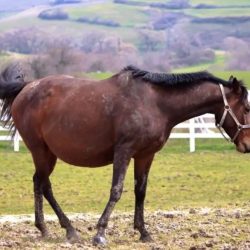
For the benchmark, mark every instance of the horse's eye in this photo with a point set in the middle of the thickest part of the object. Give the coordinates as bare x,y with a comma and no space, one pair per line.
247,109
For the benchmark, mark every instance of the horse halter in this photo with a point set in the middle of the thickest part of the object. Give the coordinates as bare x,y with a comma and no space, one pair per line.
228,110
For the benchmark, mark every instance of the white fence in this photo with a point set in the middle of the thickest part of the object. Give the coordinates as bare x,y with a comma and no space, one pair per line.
198,127
5,136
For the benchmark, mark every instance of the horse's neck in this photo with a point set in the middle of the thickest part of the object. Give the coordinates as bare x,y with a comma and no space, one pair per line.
197,100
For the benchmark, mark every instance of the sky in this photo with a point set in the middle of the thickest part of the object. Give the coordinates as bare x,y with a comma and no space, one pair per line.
16,5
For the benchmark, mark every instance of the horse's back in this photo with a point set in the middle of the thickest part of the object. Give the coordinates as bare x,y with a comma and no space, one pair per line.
75,118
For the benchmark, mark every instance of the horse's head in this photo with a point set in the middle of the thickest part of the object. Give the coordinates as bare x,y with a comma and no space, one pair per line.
234,116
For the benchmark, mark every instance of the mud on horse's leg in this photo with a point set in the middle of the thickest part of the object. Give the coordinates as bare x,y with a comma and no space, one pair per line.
45,161
141,170
120,165
63,219
38,196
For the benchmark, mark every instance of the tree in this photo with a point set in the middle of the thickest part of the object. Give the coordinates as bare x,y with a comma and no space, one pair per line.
26,41
238,53
61,59
150,40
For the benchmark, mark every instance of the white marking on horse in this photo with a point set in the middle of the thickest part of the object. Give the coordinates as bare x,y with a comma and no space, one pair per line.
68,76
34,84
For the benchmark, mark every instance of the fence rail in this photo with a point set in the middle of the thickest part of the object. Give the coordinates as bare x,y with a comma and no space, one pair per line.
196,128
5,136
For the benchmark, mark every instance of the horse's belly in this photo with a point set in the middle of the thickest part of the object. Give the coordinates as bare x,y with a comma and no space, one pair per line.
82,161
82,153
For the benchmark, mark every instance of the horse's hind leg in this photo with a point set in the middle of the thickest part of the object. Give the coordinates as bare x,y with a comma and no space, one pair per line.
63,219
141,170
38,196
44,162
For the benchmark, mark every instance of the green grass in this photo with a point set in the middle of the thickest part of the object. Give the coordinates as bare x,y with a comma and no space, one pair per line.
69,28
97,75
196,2
241,75
222,12
215,175
221,2
111,11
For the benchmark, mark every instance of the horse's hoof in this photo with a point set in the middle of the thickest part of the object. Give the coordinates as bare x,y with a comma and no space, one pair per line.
45,235
99,240
72,237
146,238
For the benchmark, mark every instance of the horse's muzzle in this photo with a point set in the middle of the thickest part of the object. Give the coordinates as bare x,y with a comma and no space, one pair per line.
243,147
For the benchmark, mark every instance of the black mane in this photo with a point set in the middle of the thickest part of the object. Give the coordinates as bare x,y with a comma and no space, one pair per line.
173,79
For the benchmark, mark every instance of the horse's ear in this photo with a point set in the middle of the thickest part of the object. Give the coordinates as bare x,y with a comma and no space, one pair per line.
236,85
231,78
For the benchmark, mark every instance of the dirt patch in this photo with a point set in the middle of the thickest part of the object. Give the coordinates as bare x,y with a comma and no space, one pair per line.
194,229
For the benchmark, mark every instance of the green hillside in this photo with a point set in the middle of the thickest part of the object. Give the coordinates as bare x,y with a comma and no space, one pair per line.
138,24
128,16
221,2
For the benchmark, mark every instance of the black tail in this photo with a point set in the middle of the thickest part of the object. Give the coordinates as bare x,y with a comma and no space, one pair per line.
11,83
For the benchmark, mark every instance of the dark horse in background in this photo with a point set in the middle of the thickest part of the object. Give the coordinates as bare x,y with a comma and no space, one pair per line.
95,123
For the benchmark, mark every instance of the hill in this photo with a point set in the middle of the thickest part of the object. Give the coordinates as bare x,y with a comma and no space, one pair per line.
183,32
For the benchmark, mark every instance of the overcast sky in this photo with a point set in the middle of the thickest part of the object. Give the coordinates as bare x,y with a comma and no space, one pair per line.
14,5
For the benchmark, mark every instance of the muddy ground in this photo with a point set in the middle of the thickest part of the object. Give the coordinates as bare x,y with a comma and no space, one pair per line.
180,229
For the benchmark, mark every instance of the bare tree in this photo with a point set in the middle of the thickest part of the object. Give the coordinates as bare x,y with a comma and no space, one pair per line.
61,59
26,41
151,40
238,53
91,41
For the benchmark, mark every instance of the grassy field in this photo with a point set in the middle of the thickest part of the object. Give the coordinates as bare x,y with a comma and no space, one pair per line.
221,2
138,16
221,12
215,176
212,2
112,11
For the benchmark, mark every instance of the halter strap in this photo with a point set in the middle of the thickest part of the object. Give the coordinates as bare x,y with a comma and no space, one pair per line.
228,110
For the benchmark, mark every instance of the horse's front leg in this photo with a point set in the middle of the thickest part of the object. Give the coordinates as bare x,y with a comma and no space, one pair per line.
120,165
141,170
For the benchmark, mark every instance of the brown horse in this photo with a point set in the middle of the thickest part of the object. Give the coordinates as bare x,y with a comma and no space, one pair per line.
95,123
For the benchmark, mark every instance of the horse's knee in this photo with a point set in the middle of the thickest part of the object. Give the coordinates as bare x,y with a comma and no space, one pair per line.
116,193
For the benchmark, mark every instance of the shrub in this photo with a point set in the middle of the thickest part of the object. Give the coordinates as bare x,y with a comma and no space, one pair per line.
55,2
99,21
53,14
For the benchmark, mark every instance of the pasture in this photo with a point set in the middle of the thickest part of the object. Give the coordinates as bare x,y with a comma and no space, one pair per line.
194,200
208,192
214,176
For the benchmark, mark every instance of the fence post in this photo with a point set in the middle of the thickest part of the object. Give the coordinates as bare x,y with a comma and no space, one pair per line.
192,135
16,141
